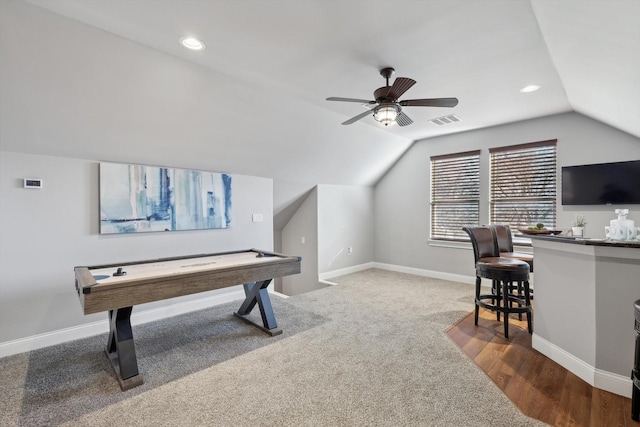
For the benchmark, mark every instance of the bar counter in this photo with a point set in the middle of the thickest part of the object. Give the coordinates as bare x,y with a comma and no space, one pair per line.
583,307
587,241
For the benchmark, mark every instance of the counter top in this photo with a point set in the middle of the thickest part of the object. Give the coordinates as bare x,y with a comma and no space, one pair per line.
586,241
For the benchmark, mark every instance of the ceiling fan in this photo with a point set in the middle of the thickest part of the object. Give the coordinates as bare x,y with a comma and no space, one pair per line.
386,108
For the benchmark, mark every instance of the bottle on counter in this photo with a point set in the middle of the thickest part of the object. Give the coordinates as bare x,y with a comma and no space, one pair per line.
622,229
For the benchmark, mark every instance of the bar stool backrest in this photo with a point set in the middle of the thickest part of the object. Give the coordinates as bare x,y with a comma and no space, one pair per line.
503,236
483,241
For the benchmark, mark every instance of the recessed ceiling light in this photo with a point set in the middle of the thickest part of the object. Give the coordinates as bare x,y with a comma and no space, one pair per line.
192,43
530,88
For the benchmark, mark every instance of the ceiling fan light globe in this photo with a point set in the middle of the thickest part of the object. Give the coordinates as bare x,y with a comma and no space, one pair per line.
386,114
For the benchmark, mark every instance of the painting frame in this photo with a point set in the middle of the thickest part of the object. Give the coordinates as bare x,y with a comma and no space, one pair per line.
136,198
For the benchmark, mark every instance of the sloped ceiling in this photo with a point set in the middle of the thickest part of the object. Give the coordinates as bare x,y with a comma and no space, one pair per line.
255,101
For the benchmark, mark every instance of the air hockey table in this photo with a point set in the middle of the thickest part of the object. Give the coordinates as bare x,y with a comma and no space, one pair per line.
116,288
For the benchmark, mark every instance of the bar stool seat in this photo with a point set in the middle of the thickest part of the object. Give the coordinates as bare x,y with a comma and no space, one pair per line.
528,258
503,272
508,266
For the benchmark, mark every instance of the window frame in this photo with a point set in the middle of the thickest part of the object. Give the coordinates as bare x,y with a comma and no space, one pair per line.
535,164
458,168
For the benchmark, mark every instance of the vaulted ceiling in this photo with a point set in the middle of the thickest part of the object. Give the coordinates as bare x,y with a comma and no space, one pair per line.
258,89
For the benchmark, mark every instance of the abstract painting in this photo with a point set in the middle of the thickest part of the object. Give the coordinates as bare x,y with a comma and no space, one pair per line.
137,199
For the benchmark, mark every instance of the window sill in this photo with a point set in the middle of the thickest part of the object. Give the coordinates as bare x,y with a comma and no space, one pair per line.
454,244
522,245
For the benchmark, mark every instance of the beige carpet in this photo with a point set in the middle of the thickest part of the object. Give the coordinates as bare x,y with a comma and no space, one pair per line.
372,352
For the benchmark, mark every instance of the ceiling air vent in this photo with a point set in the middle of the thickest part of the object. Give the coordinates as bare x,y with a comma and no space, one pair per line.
445,120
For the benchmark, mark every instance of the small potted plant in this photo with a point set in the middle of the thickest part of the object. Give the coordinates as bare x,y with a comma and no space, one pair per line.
578,226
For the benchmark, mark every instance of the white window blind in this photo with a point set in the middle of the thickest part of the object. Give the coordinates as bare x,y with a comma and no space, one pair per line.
523,184
455,194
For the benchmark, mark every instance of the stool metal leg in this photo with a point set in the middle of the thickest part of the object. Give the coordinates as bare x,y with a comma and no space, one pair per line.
505,294
527,299
635,378
519,297
635,400
478,282
495,289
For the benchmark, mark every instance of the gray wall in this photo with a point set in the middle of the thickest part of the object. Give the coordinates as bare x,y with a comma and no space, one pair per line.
618,286
303,225
402,195
45,233
585,295
332,219
56,227
565,314
345,220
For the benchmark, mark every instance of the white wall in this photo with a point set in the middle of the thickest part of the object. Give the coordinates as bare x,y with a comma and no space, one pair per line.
402,195
45,233
345,220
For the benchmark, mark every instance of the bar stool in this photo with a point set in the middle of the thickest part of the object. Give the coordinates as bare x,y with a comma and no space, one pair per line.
503,272
505,246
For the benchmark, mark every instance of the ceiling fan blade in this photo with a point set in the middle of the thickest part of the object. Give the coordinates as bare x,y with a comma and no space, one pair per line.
403,119
358,117
400,86
435,102
359,101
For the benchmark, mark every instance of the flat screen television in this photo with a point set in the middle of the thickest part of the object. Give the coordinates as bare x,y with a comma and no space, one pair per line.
601,184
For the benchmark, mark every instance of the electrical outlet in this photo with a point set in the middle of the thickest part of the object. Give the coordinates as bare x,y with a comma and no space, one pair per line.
349,250
257,217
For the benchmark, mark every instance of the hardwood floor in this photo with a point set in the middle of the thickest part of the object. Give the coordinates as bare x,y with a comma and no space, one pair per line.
538,386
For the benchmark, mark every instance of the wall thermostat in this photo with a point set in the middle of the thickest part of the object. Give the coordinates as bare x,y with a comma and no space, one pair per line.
32,183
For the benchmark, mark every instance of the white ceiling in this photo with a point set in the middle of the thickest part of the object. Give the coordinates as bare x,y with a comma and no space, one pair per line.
277,61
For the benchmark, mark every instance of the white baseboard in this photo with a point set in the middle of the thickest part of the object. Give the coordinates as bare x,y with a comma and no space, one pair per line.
613,383
327,283
399,268
563,358
34,342
341,272
278,294
60,336
427,273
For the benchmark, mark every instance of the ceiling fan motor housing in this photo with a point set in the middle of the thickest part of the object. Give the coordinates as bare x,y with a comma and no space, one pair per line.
380,95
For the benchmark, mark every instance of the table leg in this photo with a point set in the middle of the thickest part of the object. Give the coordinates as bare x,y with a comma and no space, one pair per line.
256,293
121,350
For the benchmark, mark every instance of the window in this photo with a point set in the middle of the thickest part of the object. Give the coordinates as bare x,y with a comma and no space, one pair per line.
523,184
455,194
